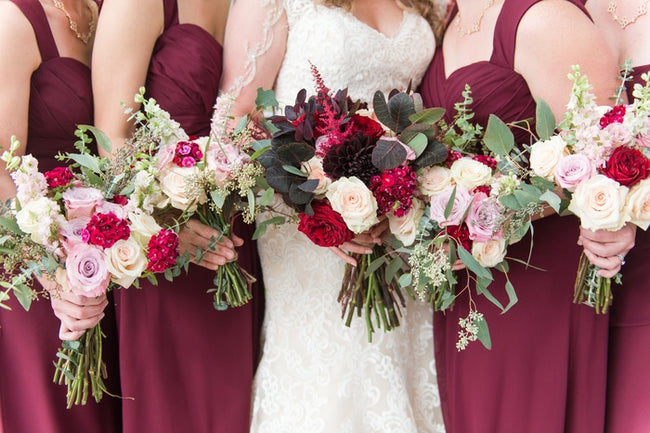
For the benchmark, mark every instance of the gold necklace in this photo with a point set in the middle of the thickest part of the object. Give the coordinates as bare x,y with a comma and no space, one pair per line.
476,26
641,10
84,37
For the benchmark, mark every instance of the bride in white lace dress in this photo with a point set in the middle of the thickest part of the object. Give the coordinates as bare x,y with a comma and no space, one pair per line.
317,375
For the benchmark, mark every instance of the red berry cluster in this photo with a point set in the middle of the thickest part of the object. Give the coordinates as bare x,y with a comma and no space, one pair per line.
59,176
187,153
162,251
615,115
487,160
461,235
393,189
104,229
452,156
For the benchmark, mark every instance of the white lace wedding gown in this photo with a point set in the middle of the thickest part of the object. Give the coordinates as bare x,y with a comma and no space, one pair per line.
316,375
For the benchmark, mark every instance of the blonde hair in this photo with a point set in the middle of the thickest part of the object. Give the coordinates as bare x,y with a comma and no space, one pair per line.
426,8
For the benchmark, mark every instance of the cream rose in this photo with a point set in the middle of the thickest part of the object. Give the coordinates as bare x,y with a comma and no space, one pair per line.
637,205
173,185
314,169
355,202
470,173
490,253
125,261
598,202
434,180
545,155
404,228
143,226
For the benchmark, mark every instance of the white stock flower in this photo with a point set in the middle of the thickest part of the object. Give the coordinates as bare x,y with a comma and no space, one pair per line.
355,202
470,173
37,217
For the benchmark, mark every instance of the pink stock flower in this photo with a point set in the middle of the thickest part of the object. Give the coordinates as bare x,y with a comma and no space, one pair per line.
86,270
573,169
81,201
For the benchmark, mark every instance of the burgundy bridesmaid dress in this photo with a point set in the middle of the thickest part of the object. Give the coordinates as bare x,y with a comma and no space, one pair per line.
187,367
546,372
60,98
628,395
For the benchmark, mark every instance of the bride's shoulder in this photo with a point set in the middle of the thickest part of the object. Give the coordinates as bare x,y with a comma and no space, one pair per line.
296,7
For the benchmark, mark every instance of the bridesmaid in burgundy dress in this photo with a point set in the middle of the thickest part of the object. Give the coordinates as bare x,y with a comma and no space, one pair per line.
188,367
627,30
546,372
45,92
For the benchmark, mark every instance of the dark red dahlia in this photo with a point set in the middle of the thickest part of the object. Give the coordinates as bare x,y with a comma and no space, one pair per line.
615,115
393,190
366,125
162,251
352,158
104,229
59,176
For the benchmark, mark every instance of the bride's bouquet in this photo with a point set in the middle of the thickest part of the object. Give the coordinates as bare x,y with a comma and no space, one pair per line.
344,169
600,160
86,227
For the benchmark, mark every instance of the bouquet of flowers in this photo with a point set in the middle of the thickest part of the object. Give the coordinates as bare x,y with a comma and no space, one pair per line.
342,168
599,159
77,227
213,178
476,202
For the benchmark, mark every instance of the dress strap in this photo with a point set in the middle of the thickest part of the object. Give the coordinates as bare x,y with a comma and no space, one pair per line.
35,14
505,32
171,13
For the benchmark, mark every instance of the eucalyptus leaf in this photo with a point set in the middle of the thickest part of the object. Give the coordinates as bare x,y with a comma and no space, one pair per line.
218,198
542,183
429,116
265,99
415,129
405,280
261,226
267,197
251,203
295,153
388,154
512,296
473,265
450,203
10,225
418,143
309,185
23,294
400,108
484,334
435,153
298,196
381,108
279,179
85,160
374,265
552,199
241,125
545,123
101,138
498,137
393,267
293,170
510,201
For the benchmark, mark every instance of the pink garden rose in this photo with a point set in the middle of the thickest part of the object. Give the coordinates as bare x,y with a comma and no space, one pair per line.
81,201
165,156
73,229
86,270
223,159
483,217
439,202
572,170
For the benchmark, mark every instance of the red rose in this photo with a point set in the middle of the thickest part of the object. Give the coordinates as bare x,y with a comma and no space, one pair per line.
627,166
366,125
325,227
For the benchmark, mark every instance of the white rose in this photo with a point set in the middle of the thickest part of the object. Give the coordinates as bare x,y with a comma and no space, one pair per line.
143,227
404,228
355,202
598,202
314,169
172,183
545,155
470,173
36,218
637,205
490,253
126,261
434,180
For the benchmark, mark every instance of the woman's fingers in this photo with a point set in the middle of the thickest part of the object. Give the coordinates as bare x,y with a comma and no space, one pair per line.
215,250
67,335
82,311
609,266
343,255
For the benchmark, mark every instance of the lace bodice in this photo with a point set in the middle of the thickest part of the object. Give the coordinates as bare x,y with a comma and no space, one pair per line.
349,53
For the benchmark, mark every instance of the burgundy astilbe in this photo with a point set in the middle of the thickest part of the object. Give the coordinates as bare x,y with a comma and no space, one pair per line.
352,158
393,190
162,251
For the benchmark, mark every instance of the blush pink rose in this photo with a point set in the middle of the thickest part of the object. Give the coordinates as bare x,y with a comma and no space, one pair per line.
86,270
80,202
483,218
620,134
439,202
572,170
73,229
223,159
